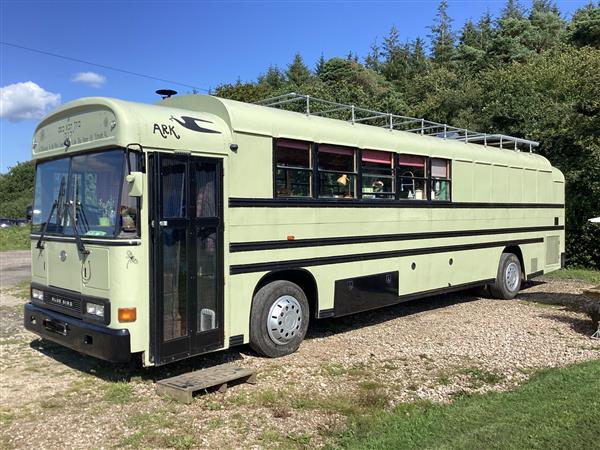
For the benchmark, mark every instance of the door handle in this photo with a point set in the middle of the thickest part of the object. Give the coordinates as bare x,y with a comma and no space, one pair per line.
163,223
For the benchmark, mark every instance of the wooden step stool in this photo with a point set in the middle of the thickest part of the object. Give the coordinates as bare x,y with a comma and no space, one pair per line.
182,387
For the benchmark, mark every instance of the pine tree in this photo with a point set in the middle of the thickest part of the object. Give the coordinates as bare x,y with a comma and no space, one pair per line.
442,37
417,61
274,78
469,35
584,28
297,72
512,10
373,59
320,65
485,27
548,27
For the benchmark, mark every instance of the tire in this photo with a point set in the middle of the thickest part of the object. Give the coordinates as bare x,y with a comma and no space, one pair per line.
270,336
508,279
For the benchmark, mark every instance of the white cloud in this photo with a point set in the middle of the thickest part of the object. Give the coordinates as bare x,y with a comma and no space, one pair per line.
23,101
91,79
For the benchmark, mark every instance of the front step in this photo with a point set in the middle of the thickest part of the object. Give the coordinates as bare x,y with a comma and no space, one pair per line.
182,387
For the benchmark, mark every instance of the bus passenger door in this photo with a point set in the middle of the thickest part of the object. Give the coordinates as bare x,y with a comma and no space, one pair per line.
187,307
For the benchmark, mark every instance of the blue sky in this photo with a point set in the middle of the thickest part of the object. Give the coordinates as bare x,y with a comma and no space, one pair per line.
197,43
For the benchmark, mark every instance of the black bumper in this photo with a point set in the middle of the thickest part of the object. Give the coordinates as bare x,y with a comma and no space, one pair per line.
94,340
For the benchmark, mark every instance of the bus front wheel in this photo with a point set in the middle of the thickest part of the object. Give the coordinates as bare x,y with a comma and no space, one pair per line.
509,277
279,319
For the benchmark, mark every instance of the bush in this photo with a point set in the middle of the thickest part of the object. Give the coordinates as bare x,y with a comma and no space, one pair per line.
15,238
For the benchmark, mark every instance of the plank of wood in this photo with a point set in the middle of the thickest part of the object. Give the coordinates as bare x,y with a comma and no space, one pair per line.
593,293
182,387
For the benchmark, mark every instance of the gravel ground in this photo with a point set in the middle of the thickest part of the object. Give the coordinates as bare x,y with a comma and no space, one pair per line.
431,349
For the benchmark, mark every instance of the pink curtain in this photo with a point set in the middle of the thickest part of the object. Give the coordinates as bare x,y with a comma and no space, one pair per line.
325,148
375,156
439,168
290,143
412,160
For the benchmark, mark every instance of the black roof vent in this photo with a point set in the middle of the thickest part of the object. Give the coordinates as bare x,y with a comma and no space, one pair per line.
166,93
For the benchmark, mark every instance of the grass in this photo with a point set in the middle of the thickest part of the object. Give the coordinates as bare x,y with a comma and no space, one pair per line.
21,290
159,429
557,408
14,238
119,393
588,275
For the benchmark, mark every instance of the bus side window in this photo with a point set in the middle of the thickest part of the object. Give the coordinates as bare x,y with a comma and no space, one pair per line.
412,171
440,179
337,173
293,168
377,170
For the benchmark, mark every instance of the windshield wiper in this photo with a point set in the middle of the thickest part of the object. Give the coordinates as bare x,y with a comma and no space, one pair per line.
61,194
80,245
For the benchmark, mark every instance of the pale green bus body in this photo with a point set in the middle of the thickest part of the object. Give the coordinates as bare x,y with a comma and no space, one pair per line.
479,174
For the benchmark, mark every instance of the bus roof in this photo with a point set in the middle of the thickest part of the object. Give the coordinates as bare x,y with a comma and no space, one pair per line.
208,124
262,120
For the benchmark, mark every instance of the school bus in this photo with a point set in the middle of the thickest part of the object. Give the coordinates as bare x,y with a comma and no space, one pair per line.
164,231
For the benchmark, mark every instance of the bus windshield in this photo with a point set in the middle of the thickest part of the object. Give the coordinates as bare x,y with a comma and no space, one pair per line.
85,189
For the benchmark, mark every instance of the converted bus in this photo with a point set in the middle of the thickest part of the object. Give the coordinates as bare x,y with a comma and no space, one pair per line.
198,224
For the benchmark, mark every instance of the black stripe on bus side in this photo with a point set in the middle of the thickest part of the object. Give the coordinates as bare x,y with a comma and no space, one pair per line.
317,242
327,313
327,260
105,242
367,203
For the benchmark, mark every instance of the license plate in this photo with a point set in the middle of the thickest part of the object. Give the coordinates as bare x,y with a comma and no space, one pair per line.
59,301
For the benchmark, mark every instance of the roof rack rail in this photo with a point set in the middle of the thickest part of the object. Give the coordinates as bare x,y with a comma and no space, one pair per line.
314,106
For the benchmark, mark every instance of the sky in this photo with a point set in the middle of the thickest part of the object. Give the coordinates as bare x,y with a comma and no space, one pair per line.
201,44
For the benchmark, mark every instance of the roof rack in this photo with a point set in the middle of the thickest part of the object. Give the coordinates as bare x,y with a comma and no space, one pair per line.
314,106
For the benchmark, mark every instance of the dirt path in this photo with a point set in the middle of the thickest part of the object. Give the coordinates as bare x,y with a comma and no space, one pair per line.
432,349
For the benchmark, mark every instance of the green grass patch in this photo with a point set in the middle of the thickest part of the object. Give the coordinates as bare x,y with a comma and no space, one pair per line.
274,439
159,429
14,238
588,275
21,290
557,408
119,393
6,416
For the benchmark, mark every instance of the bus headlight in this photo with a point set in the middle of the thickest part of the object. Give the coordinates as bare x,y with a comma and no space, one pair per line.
37,295
94,309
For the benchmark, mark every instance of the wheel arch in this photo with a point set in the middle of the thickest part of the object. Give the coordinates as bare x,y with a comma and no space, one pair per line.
302,277
516,250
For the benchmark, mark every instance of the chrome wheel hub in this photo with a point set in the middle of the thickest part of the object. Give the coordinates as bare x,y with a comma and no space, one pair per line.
512,277
285,317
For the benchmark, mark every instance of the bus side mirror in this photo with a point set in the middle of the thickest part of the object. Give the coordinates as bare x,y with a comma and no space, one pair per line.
135,184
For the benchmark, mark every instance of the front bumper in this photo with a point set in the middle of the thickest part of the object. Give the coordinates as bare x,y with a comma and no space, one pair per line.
94,340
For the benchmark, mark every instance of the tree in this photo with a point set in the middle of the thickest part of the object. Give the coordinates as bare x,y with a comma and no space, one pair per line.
513,36
584,29
417,60
547,26
395,64
274,78
319,66
442,37
297,72
373,59
512,10
16,190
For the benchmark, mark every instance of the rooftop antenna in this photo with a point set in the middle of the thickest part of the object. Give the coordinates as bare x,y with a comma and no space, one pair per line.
166,93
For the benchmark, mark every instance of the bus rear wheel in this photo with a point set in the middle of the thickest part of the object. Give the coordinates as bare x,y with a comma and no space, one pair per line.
279,319
509,277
